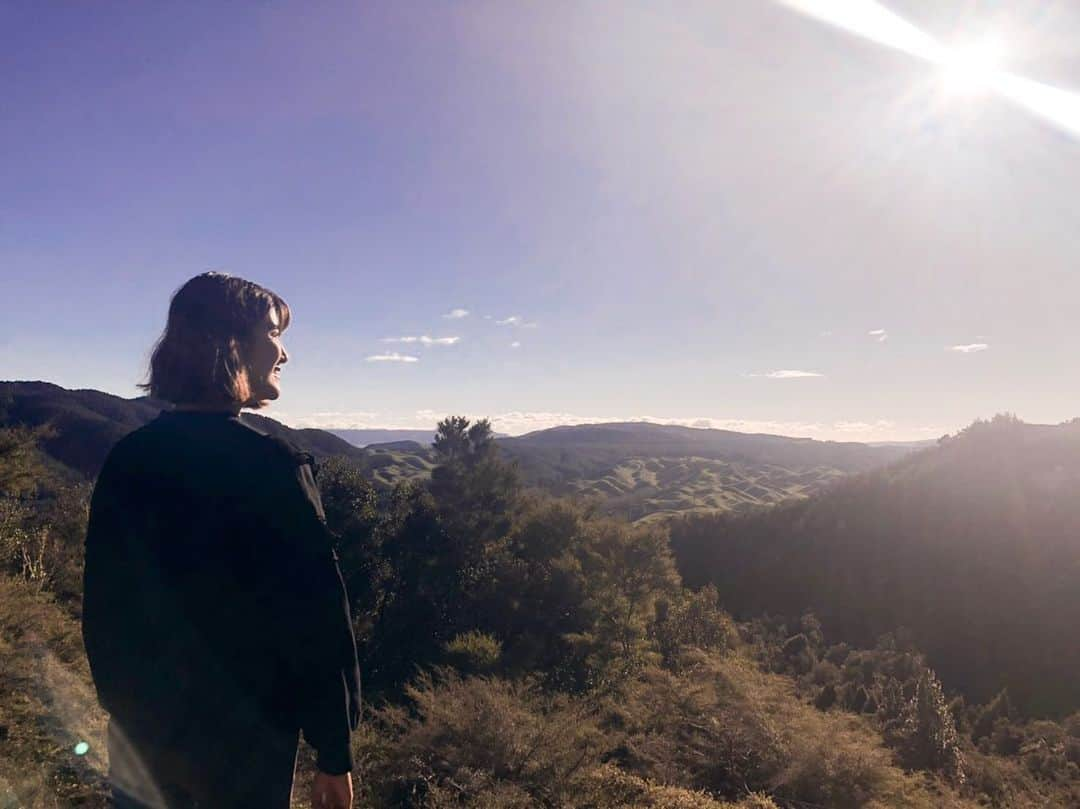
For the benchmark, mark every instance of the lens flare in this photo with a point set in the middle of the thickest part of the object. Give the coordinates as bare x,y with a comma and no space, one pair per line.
968,69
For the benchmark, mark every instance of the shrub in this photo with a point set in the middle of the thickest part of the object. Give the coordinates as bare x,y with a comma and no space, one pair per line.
693,620
826,699
608,787
485,741
474,652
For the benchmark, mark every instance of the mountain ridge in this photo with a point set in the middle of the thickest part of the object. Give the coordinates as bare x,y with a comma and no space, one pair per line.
637,470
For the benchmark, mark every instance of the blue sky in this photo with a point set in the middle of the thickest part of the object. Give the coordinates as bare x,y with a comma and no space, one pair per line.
679,201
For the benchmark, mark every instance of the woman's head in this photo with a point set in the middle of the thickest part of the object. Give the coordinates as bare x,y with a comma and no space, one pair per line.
221,346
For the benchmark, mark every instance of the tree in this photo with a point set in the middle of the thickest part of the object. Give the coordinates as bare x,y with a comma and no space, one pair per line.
1000,707
352,515
476,492
441,545
930,738
20,466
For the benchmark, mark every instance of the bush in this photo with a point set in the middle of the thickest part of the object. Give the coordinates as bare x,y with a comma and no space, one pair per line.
693,620
474,652
481,741
608,787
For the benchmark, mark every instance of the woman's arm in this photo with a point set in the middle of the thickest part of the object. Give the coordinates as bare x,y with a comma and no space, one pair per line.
313,608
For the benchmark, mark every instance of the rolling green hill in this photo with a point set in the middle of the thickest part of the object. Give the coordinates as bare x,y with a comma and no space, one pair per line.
654,488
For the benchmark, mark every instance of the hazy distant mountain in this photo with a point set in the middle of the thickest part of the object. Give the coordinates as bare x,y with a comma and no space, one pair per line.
618,441
365,438
397,446
89,422
362,438
972,545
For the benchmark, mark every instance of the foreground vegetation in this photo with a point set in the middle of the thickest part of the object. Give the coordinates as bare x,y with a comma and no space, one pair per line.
522,652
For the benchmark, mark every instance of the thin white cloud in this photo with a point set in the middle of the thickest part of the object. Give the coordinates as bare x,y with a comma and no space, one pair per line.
393,356
789,373
969,348
863,427
879,334
515,344
456,314
516,320
423,340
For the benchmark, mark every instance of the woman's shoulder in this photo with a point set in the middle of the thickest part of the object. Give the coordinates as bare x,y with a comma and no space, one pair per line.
279,447
155,447
288,451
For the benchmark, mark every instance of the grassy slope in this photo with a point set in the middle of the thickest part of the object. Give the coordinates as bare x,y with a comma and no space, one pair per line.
653,488
47,706
649,488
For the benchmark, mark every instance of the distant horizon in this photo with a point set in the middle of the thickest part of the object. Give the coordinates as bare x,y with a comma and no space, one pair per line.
517,424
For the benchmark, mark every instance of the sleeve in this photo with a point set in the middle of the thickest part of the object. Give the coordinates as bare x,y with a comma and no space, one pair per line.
115,628
319,645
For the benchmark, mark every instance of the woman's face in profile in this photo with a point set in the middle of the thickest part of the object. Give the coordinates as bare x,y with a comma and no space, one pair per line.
266,354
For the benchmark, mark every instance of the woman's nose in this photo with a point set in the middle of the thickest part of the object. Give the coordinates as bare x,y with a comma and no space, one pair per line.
284,357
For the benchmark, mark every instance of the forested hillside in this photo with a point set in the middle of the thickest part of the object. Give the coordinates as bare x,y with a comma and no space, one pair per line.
972,546
518,652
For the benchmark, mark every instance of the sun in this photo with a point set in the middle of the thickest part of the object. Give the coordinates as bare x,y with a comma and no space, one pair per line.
972,69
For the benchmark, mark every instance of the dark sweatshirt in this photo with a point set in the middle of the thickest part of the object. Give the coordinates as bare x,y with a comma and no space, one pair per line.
213,602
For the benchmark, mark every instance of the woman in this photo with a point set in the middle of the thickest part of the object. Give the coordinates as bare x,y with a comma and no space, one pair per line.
215,617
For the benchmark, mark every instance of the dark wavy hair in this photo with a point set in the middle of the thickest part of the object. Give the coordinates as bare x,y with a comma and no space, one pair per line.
199,358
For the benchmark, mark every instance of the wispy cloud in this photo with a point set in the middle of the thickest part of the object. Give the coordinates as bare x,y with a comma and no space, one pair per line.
879,334
789,373
393,356
969,348
516,320
864,427
423,340
515,344
456,314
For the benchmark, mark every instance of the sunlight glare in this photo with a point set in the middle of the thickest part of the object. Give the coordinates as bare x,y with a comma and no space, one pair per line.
975,68
972,69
